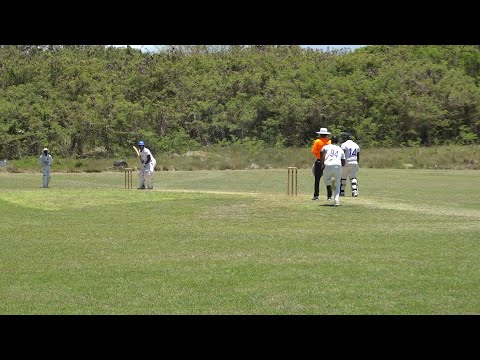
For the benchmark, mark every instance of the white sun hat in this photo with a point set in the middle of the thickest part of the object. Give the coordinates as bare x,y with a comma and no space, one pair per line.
45,149
323,131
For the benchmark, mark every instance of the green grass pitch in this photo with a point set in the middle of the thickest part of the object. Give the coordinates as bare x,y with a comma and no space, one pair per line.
233,242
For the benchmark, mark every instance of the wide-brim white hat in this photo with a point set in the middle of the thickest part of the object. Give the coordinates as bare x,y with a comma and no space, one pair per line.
323,131
45,149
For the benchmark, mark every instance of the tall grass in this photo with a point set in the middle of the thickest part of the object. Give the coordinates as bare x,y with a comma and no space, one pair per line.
240,157
453,157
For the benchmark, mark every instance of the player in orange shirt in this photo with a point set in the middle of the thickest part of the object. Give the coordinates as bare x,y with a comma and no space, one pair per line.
318,168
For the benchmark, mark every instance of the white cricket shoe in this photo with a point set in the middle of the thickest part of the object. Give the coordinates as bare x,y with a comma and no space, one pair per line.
336,203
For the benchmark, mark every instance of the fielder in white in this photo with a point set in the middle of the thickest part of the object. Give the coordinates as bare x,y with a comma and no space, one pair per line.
333,158
352,162
147,168
45,161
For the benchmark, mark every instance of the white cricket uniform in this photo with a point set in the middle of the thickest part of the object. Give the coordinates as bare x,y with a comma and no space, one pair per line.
333,167
146,170
45,162
350,169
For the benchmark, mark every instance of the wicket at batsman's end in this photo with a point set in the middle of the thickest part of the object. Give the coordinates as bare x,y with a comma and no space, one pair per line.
128,173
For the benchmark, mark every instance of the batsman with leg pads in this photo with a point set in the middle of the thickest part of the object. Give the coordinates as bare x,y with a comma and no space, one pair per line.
147,168
352,163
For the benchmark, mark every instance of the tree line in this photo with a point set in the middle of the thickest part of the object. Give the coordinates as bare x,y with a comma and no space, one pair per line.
93,100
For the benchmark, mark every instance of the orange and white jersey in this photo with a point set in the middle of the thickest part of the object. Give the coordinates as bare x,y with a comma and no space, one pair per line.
333,155
351,150
318,146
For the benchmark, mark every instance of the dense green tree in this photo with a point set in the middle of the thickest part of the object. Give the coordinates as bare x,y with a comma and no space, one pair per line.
97,101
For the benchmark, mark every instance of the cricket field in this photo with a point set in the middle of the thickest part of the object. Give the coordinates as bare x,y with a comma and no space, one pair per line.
234,242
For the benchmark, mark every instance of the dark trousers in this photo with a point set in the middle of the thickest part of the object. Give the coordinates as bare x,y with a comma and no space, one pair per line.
318,174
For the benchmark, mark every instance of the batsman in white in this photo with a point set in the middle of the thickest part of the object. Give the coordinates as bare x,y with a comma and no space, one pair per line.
352,162
45,160
333,159
147,168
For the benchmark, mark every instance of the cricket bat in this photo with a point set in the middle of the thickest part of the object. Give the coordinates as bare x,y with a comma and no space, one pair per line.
136,150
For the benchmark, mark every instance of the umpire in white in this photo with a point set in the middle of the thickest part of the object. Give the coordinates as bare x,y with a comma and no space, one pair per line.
333,158
45,161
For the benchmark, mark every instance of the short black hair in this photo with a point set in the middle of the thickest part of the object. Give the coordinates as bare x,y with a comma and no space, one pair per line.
334,139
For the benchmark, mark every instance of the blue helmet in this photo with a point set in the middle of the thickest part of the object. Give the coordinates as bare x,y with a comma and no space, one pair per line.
141,143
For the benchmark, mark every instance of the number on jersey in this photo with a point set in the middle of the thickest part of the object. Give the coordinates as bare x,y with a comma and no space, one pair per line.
333,153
